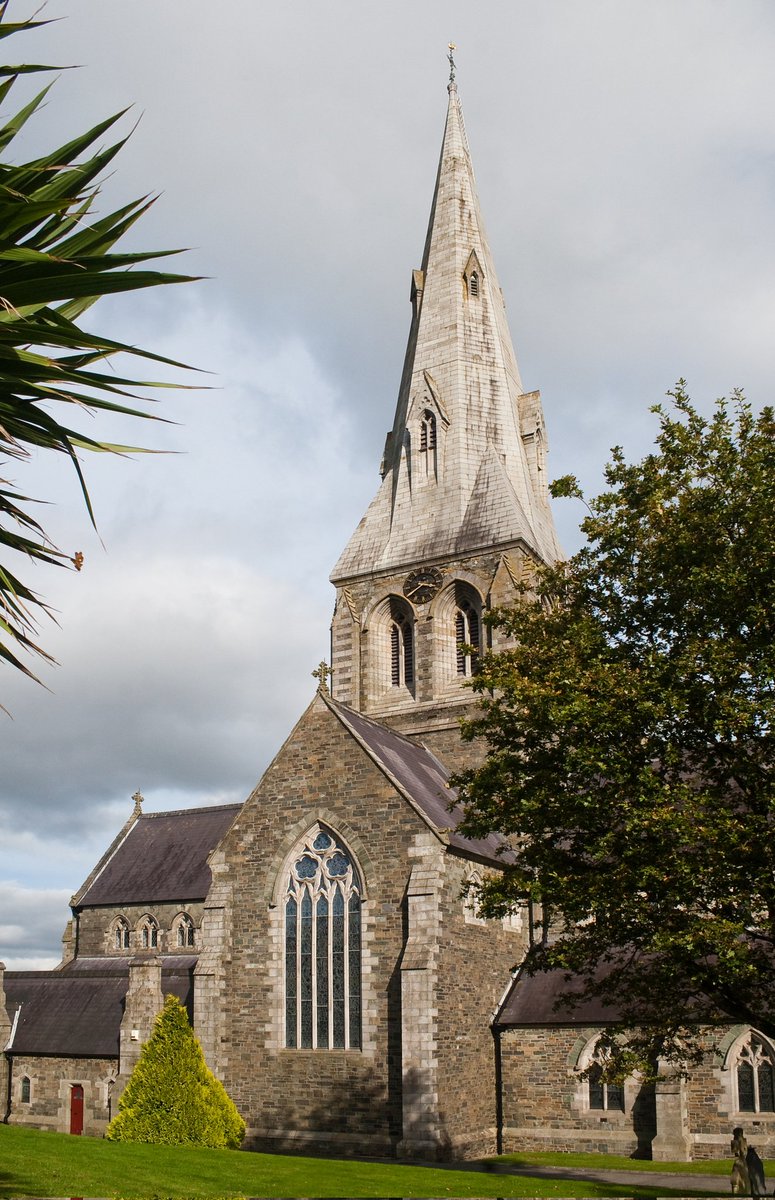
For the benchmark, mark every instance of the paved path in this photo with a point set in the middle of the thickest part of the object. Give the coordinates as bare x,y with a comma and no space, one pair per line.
713,1185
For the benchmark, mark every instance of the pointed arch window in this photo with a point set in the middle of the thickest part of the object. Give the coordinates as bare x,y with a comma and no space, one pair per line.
323,947
755,1075
121,934
428,431
473,284
185,931
149,934
467,635
26,1089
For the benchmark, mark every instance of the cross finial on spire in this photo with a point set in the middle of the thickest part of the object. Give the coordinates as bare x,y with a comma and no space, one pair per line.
138,799
451,61
321,673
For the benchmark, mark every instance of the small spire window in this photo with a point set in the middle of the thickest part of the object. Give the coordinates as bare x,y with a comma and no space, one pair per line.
473,284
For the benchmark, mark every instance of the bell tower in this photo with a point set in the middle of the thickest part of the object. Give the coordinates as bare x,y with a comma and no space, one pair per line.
462,513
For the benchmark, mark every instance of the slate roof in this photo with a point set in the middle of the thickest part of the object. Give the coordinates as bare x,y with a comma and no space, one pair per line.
531,998
162,857
76,1012
422,778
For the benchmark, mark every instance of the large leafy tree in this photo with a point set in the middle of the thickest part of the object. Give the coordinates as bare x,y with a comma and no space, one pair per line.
172,1097
57,256
630,738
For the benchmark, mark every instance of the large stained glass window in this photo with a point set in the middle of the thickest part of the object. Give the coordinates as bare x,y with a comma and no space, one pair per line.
323,947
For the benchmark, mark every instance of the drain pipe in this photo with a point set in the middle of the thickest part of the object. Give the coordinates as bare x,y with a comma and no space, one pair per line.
496,1035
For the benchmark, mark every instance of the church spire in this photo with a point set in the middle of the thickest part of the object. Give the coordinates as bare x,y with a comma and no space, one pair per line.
464,465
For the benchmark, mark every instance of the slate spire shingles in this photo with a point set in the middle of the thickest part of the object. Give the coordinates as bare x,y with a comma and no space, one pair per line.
460,365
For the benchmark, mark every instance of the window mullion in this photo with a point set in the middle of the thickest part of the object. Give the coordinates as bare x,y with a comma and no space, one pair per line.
313,966
330,893
299,896
346,965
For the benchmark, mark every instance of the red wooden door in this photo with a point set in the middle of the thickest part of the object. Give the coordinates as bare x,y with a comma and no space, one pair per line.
76,1108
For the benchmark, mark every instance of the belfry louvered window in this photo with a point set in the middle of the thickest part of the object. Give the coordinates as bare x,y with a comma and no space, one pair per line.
473,284
401,652
466,637
323,947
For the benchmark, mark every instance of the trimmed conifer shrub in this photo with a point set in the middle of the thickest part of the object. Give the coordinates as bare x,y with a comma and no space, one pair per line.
172,1097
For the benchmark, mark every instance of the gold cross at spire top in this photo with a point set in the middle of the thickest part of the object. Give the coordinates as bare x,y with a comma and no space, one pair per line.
321,673
450,59
138,799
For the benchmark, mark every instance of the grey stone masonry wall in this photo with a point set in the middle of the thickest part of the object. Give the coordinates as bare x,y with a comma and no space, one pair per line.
333,1099
96,928
51,1082
546,1101
340,1100
144,1002
474,962
360,634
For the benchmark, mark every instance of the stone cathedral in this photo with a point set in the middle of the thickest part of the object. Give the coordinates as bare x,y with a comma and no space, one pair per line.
343,986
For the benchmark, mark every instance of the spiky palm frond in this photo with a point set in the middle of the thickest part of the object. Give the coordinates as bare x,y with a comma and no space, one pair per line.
56,259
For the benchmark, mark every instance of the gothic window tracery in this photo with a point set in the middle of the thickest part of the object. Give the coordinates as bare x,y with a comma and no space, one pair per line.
322,946
755,1075
149,934
185,931
121,934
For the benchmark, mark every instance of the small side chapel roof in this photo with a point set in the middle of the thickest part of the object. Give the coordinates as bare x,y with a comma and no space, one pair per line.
531,1002
421,778
160,857
78,1013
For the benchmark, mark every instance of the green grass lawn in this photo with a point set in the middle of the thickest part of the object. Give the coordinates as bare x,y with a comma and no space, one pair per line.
33,1163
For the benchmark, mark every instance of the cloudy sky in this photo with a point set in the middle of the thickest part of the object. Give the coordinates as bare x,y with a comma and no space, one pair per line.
625,155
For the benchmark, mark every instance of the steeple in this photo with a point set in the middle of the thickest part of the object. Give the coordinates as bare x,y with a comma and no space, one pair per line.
482,482
463,509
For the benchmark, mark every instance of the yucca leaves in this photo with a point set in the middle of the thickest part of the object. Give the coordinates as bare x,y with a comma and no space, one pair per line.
56,260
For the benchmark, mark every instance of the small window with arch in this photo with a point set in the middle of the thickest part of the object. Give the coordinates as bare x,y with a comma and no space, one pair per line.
121,936
401,651
149,934
185,932
473,284
26,1090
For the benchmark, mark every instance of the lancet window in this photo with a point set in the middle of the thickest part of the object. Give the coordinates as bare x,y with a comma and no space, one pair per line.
467,635
755,1075
25,1089
473,283
323,947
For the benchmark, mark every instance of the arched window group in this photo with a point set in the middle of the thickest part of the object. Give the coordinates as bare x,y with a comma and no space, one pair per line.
148,934
322,946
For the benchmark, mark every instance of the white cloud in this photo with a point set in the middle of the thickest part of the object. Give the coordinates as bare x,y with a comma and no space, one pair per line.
625,162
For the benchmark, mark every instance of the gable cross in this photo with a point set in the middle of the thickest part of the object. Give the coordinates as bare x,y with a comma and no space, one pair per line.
321,673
